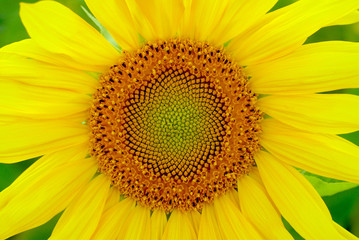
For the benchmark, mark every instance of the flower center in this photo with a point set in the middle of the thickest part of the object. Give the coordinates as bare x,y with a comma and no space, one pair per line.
174,124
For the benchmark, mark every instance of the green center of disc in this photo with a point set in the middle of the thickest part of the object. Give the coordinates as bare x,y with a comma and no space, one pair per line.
176,123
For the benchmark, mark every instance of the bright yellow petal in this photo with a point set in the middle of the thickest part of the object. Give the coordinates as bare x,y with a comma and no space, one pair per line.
220,21
113,219
113,198
196,220
179,227
350,18
256,207
209,229
28,139
344,232
316,67
164,17
35,102
138,225
116,18
45,196
322,154
38,169
57,29
142,25
32,72
81,217
254,174
240,16
231,221
296,199
324,113
158,224
234,197
30,49
282,31
201,18
156,19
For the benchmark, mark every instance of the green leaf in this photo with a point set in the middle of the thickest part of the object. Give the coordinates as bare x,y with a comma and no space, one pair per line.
327,186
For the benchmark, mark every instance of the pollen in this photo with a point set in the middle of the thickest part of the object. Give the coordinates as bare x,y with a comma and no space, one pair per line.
174,124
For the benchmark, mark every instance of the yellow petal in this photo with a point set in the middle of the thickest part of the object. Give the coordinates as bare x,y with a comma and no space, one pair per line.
116,18
196,219
231,221
39,168
256,207
58,30
256,176
35,102
157,19
142,25
28,139
352,17
296,199
316,67
239,16
179,227
113,198
344,232
284,30
209,229
30,49
113,219
220,21
32,72
322,154
201,18
158,224
81,217
324,113
45,196
234,197
138,225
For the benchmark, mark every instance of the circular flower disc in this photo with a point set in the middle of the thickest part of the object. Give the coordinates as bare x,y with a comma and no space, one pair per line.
174,124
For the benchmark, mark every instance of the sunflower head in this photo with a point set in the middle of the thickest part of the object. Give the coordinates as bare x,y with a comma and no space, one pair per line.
165,139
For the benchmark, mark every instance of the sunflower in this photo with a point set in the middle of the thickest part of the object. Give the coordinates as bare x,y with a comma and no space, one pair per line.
192,124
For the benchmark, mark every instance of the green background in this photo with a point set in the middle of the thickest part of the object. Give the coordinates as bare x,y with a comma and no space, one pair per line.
344,206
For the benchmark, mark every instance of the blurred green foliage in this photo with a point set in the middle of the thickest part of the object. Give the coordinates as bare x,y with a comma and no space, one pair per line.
344,206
